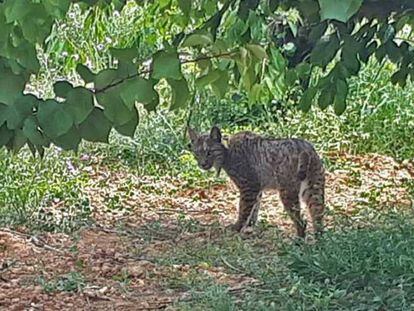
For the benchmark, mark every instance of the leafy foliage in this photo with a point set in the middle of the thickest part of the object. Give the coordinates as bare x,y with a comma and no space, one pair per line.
266,50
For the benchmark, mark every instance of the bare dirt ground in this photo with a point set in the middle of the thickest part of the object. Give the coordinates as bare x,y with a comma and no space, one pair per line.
117,256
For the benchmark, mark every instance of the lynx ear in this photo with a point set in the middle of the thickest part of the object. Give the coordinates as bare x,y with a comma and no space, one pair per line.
215,134
192,134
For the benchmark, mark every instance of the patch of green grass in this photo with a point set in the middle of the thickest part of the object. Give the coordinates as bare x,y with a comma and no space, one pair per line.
45,195
71,282
214,297
369,268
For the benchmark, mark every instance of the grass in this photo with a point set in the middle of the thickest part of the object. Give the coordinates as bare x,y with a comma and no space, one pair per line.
348,269
43,195
70,282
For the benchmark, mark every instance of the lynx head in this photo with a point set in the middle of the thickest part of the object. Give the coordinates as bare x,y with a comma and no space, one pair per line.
208,148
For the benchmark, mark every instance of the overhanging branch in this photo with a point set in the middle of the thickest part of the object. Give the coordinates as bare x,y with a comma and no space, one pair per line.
147,71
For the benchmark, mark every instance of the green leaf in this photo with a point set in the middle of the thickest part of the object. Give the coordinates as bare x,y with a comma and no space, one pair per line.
27,57
180,93
114,108
273,4
85,73
197,39
31,131
341,71
126,69
5,135
291,76
340,96
400,77
62,88
69,140
56,8
22,108
303,70
137,89
153,104
318,31
38,26
17,142
32,148
221,85
340,10
207,79
96,127
325,51
307,98
351,63
11,87
185,6
380,53
255,92
104,78
17,10
79,103
249,78
310,10
257,50
3,113
126,54
365,53
129,128
163,3
326,97
277,61
53,119
393,51
166,65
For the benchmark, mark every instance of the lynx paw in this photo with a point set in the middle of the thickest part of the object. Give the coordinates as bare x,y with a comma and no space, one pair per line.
235,227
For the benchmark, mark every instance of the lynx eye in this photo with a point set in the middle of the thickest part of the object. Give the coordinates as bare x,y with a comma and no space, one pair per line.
189,146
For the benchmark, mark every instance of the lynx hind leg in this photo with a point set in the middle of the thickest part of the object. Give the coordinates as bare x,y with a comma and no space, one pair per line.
313,196
291,203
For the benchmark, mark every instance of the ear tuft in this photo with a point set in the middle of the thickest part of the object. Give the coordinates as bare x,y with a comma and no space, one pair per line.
192,134
215,134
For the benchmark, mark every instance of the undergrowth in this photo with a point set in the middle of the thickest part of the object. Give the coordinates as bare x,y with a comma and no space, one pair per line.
348,269
45,195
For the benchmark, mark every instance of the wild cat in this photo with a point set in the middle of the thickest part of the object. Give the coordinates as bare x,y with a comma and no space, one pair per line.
255,163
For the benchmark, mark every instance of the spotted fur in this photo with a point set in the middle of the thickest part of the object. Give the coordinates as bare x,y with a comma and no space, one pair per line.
255,163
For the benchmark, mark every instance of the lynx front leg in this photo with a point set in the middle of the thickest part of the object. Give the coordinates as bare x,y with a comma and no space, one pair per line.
254,215
291,204
248,208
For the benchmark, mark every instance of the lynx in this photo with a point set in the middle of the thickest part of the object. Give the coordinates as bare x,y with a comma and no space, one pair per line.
255,163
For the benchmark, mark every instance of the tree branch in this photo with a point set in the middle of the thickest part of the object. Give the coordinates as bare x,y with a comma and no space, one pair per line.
146,71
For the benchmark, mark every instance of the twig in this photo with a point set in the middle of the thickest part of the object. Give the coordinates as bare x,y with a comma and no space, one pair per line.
7,266
25,235
191,107
146,71
39,243
33,239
